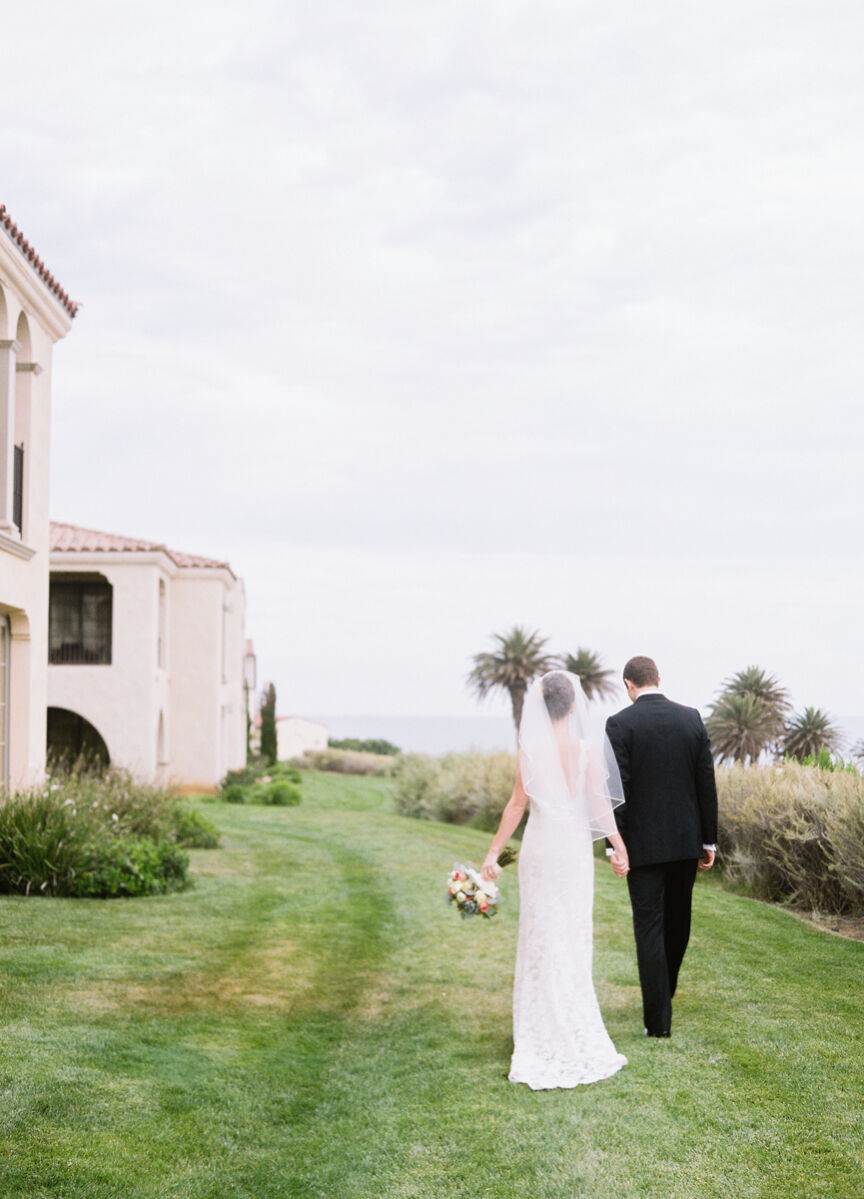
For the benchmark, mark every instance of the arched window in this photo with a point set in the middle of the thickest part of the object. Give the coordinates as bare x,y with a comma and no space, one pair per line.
162,647
79,619
21,433
161,751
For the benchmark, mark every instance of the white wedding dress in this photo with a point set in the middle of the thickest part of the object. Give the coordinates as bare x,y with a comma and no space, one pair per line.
558,1032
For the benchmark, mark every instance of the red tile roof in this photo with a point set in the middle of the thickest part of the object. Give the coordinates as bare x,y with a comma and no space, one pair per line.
36,262
66,538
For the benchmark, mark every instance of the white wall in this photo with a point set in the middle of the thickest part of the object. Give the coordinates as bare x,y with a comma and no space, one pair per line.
295,735
24,558
207,698
197,691
121,699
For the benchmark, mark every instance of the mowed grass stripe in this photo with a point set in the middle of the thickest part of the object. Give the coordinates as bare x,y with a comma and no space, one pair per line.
313,1021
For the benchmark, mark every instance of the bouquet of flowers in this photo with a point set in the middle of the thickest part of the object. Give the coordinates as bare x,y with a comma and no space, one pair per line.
471,893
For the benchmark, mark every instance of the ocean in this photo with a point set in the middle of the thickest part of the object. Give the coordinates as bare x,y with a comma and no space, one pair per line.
427,734
456,734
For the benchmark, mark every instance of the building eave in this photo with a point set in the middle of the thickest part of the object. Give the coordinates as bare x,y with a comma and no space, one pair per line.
23,270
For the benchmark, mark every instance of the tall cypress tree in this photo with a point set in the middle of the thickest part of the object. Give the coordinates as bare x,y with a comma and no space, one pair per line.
269,741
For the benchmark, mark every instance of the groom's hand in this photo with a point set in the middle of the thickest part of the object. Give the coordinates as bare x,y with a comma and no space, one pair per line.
707,859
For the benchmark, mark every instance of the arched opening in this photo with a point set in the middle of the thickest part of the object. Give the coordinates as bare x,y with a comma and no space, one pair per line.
75,742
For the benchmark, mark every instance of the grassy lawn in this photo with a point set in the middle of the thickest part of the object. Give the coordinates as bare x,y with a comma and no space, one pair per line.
311,1020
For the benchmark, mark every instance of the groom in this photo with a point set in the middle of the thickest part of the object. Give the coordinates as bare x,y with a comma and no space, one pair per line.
669,826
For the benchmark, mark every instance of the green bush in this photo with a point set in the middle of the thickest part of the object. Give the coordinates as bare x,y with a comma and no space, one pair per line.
123,866
85,835
281,793
470,788
345,761
794,834
242,786
234,793
284,770
244,777
375,745
192,830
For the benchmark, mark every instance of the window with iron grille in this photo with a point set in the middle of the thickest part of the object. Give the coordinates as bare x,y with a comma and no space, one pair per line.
18,490
79,623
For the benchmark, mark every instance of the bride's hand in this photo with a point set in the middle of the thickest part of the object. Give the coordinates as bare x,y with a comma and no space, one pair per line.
620,863
491,869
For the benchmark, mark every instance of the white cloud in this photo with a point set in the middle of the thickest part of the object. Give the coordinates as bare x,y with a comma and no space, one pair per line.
392,303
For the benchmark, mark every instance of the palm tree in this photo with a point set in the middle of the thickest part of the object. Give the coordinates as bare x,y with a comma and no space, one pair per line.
740,727
808,732
857,750
595,680
518,658
755,681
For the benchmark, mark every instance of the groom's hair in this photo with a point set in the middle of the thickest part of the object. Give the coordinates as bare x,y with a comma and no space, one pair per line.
642,672
558,693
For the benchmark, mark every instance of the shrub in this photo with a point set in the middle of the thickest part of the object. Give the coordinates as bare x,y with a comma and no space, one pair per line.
121,866
82,835
794,834
246,775
375,745
284,770
344,761
192,830
825,760
413,792
238,785
281,793
269,736
470,788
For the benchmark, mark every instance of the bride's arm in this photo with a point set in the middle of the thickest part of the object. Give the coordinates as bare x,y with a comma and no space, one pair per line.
510,818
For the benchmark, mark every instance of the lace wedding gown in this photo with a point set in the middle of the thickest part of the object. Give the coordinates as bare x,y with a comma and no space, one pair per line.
558,1032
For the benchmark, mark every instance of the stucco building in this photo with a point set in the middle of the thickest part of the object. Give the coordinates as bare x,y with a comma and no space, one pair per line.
35,312
295,736
146,653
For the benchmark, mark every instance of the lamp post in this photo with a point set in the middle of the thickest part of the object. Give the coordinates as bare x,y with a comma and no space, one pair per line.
250,681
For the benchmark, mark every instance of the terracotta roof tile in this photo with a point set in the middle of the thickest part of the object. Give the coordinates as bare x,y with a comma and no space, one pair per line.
36,262
66,538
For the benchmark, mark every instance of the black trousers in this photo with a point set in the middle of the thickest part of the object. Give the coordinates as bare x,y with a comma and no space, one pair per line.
660,896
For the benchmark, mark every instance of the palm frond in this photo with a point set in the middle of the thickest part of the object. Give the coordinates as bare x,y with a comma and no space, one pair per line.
597,682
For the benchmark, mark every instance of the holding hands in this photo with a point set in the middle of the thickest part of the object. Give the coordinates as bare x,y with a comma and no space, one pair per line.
619,862
619,859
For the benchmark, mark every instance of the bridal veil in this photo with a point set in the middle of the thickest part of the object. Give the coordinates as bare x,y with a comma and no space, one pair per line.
568,765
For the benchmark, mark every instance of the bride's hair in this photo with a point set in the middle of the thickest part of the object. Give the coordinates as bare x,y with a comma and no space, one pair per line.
558,693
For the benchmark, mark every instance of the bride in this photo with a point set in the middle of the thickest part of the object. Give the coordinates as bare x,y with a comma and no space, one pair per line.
572,780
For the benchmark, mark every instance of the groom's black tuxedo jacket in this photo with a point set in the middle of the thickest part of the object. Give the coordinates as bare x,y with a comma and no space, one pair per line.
664,756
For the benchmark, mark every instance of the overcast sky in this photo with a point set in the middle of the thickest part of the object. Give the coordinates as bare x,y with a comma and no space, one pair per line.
437,317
